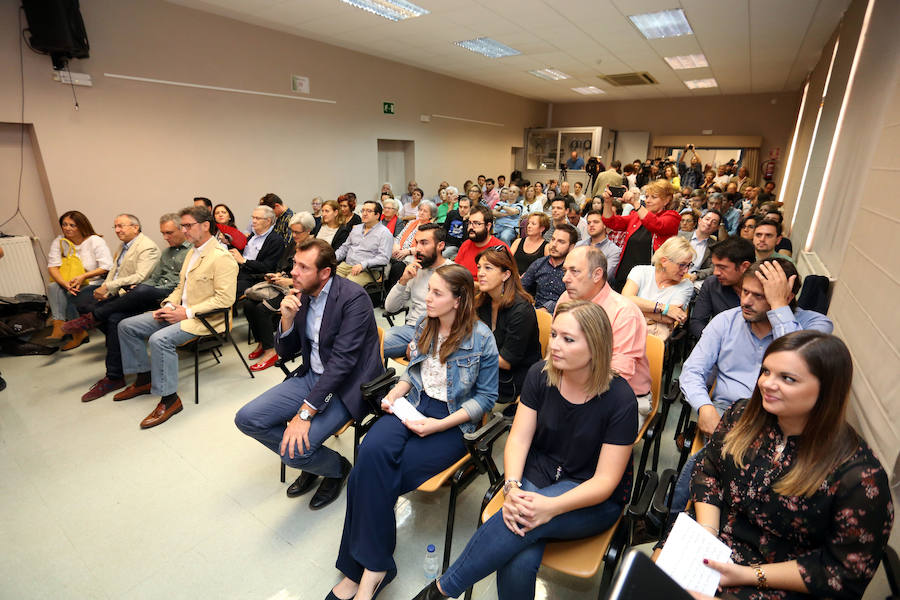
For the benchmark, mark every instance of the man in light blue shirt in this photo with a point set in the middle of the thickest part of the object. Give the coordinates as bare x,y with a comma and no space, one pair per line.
369,245
597,237
506,214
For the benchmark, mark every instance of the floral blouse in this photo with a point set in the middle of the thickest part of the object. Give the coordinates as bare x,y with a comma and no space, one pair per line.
837,535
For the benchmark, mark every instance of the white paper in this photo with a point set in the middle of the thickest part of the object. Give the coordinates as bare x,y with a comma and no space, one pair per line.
682,556
405,411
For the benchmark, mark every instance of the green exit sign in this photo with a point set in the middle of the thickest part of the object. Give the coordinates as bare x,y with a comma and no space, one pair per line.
388,108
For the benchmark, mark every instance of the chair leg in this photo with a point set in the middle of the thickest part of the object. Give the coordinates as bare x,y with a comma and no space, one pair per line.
241,356
283,469
196,374
451,517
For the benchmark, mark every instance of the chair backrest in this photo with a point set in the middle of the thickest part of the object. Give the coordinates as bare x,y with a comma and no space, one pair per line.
381,343
656,350
545,320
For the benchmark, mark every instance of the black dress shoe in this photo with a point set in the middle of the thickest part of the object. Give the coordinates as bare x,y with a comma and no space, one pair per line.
330,488
430,592
302,484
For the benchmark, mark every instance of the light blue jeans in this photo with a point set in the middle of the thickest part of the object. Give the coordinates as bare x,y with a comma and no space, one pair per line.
164,339
63,305
516,559
396,339
507,234
682,491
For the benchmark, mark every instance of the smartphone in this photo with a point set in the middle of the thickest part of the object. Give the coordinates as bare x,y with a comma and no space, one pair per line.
617,191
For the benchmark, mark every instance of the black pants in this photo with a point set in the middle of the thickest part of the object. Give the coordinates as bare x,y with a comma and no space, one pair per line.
261,321
109,312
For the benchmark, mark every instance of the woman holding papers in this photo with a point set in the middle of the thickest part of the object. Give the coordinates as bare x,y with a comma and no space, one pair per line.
789,485
567,460
452,381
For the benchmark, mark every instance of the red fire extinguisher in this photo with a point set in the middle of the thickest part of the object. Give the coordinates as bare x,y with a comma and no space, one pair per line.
768,166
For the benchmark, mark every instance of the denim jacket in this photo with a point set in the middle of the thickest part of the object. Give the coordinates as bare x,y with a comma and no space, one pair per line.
472,374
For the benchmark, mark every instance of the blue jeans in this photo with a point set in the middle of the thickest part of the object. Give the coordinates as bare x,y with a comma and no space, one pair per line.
265,419
682,491
396,339
63,305
516,559
163,340
507,234
111,312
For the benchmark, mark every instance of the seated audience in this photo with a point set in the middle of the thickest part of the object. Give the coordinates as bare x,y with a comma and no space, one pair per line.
456,227
766,236
731,212
767,194
689,220
77,262
262,251
473,194
597,236
730,259
532,245
789,486
261,314
742,180
228,233
411,207
316,208
282,216
784,246
491,193
647,226
702,239
330,323
558,215
349,218
134,300
578,195
439,196
412,288
508,310
406,197
204,203
331,228
448,202
747,226
133,262
567,459
452,382
206,283
481,223
404,249
390,214
585,279
368,246
544,278
533,203
506,215
660,289
670,174
573,216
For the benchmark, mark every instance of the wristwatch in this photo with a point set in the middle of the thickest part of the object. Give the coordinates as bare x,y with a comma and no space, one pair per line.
304,414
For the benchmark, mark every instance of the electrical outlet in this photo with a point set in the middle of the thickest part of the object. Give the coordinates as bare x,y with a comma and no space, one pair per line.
69,78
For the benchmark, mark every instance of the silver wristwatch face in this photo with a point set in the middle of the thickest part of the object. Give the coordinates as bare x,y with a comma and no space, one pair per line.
304,414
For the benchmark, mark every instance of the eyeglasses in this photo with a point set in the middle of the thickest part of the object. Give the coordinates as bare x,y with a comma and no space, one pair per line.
476,223
188,225
683,266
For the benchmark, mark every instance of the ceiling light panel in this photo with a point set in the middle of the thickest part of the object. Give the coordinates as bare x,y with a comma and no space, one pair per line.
488,47
550,74
697,84
589,90
663,24
688,61
393,10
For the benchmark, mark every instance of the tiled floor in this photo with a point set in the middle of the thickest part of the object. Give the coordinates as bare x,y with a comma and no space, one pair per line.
93,507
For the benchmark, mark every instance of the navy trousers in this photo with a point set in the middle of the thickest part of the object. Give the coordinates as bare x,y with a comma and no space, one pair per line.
109,312
392,461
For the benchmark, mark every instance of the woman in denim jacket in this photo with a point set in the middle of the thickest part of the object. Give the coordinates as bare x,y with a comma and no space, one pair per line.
452,381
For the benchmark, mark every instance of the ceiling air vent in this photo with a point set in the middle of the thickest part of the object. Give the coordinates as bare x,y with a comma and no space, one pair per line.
621,79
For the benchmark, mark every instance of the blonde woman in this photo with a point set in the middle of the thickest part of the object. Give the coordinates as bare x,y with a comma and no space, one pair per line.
331,228
567,459
660,289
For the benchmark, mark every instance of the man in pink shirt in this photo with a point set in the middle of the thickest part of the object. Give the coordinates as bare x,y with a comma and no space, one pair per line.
585,279
491,194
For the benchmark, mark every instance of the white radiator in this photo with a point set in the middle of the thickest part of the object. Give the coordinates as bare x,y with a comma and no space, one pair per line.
19,271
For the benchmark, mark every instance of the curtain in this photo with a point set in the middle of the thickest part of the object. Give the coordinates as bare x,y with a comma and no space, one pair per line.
659,152
750,159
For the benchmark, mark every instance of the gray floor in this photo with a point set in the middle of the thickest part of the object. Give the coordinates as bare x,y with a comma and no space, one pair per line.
93,507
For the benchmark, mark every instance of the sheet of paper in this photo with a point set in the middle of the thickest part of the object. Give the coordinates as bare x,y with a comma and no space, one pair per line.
682,556
405,411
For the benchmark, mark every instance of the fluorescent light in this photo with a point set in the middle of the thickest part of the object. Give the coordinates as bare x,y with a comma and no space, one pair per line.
393,10
588,90
666,23
488,47
696,84
688,61
550,74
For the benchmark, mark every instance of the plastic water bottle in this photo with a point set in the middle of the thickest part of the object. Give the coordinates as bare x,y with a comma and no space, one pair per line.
431,562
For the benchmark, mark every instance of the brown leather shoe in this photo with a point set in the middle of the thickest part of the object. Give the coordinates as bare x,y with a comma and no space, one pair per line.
102,387
131,391
161,414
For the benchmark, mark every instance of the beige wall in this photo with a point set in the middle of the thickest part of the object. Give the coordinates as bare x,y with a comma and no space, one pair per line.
149,148
686,118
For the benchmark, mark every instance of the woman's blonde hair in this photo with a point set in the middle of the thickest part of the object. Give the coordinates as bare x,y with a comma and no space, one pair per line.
661,188
338,217
675,249
595,326
827,439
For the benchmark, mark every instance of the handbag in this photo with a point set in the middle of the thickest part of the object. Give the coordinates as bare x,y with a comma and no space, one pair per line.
268,294
71,266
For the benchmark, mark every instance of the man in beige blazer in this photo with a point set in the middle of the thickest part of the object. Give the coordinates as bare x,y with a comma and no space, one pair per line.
207,281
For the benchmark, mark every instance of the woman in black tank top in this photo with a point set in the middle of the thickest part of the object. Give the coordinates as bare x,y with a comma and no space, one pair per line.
535,227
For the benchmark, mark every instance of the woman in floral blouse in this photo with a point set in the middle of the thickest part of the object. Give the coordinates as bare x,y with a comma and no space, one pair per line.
789,485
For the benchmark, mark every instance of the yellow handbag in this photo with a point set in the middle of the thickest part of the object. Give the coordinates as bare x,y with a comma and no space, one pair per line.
71,266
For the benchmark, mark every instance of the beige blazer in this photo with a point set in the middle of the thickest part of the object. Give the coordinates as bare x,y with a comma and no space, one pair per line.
137,265
211,284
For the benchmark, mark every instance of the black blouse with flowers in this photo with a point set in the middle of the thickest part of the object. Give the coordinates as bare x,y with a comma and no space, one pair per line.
837,535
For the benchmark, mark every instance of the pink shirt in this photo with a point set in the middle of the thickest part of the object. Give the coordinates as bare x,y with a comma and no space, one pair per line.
491,198
629,329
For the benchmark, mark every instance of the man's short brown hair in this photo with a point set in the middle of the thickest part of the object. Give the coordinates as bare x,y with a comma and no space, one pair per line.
326,257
